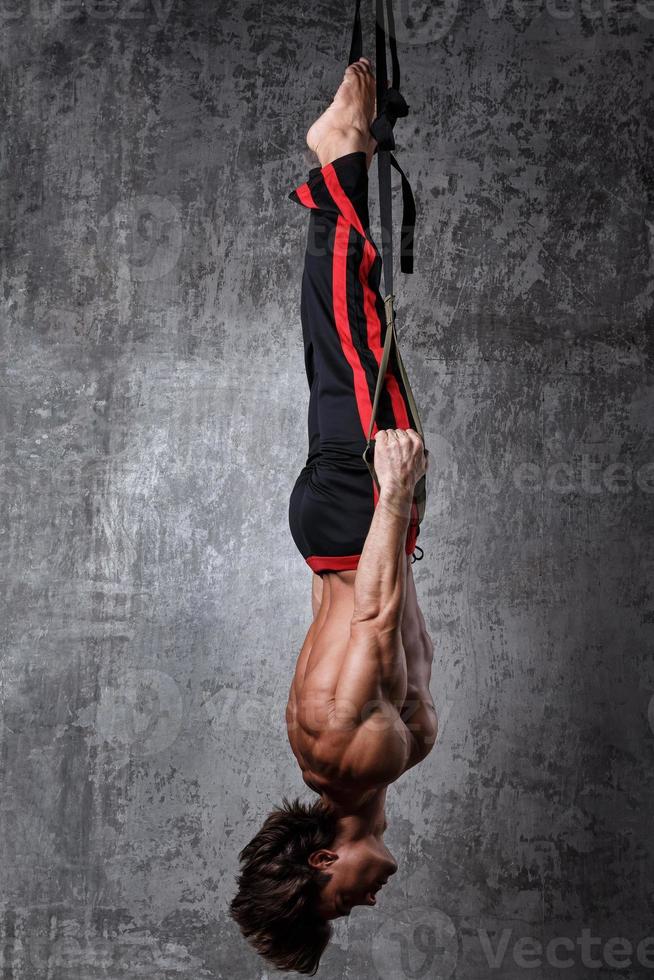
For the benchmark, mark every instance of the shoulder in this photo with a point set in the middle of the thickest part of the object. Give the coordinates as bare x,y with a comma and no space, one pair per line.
360,757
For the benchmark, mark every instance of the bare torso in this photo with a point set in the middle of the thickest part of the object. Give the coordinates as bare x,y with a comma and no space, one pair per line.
393,726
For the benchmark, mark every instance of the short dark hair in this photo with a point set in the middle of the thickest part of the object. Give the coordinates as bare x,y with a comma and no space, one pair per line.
276,905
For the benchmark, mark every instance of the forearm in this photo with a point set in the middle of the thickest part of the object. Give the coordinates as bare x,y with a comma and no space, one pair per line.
380,583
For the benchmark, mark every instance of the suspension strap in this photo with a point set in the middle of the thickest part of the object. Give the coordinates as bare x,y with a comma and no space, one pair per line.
390,107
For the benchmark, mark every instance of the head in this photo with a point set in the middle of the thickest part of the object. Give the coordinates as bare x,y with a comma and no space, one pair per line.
277,905
299,872
358,869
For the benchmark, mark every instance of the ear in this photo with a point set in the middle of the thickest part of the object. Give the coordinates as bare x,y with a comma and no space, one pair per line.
322,859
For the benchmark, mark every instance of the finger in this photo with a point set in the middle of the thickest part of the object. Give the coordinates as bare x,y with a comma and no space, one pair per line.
419,445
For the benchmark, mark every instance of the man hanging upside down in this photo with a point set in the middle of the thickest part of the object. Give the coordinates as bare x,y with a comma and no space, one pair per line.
359,712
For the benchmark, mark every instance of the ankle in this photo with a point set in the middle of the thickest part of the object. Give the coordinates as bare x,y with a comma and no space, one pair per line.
339,141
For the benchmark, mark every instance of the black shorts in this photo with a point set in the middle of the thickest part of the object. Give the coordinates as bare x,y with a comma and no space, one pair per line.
343,327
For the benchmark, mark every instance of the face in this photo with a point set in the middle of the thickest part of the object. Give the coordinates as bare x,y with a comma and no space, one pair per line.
359,870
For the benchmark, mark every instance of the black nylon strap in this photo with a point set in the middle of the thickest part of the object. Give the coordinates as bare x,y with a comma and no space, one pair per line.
408,203
392,44
386,216
356,47
390,106
383,161
380,56
408,220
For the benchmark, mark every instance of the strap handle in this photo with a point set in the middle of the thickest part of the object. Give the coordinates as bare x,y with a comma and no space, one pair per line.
390,341
383,366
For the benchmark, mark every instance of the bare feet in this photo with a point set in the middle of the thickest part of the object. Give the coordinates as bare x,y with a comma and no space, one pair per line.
345,126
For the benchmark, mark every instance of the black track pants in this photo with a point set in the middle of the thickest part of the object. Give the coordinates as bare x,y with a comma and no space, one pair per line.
343,327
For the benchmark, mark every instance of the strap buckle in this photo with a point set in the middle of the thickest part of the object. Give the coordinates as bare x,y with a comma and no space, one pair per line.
393,108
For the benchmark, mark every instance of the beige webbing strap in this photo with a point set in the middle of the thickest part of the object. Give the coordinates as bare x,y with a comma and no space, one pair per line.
390,340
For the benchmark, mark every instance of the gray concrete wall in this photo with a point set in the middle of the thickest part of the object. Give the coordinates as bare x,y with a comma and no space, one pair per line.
153,599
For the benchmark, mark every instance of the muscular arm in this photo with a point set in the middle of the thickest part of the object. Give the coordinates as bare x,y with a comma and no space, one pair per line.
379,587
365,724
375,667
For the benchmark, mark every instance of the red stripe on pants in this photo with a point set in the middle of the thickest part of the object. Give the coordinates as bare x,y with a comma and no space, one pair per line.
373,326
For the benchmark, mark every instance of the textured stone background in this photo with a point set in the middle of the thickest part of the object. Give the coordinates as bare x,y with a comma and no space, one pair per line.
153,401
